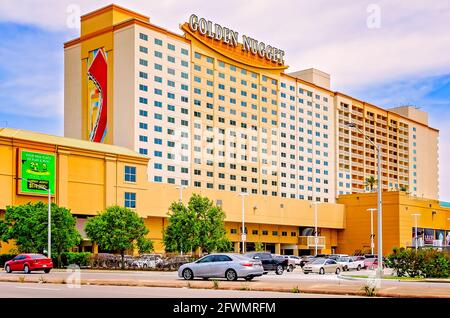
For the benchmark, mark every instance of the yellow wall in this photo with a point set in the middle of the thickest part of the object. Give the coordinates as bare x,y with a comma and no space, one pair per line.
398,221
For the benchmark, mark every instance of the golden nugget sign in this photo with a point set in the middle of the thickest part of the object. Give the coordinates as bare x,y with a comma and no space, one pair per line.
228,36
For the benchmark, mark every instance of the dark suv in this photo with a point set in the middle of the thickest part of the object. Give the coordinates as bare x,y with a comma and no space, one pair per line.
270,262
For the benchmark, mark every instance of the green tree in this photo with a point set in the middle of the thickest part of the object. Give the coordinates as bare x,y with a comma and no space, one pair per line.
118,229
200,224
259,247
370,182
181,233
27,225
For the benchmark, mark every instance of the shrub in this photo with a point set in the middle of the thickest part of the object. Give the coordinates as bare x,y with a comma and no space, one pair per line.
421,263
4,258
82,259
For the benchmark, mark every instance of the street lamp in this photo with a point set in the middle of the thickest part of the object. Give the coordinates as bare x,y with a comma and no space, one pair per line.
379,199
372,245
180,199
316,238
181,192
243,236
415,215
49,236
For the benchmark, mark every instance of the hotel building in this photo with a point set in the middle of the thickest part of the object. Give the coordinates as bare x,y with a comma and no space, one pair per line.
214,112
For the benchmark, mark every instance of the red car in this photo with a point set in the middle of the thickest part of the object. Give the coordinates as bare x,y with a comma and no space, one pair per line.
372,263
28,263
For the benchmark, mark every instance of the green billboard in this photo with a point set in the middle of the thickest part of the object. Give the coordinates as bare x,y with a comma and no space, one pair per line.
37,172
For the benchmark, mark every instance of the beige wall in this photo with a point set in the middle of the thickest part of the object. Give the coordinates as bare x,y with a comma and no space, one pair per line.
125,78
72,92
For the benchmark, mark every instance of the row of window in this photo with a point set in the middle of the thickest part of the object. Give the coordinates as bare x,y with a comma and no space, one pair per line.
159,42
264,232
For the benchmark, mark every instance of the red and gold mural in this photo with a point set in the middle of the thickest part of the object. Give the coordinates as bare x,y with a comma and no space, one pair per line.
97,95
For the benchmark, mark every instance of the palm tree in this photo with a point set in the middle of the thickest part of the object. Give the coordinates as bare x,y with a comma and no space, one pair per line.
370,182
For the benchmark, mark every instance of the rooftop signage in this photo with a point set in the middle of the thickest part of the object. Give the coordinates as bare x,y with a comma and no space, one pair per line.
230,37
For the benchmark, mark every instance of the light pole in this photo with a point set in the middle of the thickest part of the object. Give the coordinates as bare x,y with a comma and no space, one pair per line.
415,215
49,236
181,192
243,236
180,199
379,200
316,238
372,245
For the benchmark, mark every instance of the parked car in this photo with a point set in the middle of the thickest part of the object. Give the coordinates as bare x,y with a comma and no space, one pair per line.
306,259
28,263
270,262
147,261
372,263
349,263
322,266
358,258
293,262
336,256
227,265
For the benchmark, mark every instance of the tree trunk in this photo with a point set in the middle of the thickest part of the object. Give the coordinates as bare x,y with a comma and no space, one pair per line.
122,255
59,260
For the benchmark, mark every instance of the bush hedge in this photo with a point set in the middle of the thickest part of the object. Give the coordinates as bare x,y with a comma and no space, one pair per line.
82,259
428,263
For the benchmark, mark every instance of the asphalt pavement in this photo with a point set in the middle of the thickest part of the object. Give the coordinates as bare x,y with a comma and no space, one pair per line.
33,290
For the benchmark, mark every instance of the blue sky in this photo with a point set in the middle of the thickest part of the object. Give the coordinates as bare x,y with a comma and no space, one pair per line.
404,61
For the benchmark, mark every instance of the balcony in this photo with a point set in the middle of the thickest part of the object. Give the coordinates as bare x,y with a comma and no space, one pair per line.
308,242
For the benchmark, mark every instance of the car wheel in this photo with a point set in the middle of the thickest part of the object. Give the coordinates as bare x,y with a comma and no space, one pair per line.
279,270
338,270
26,269
8,269
231,275
290,268
358,268
144,266
322,271
248,278
188,274
47,270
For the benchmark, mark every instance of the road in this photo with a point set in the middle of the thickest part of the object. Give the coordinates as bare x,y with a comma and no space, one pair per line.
312,283
33,290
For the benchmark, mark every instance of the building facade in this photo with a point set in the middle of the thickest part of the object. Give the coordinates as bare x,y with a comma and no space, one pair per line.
88,177
216,112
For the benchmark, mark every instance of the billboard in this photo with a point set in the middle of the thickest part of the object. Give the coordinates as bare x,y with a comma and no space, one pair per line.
97,95
37,172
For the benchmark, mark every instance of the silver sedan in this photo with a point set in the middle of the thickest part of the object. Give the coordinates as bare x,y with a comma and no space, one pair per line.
322,266
222,265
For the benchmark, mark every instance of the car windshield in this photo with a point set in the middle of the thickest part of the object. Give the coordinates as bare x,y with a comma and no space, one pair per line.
318,261
343,259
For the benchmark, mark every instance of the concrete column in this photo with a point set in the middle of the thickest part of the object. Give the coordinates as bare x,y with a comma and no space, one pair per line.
278,248
236,247
296,250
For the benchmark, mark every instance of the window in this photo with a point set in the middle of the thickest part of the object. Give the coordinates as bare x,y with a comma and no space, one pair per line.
143,49
130,200
184,52
130,174
143,36
171,47
158,42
